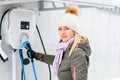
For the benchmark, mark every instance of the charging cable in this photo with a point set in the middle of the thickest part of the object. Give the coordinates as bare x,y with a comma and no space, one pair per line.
26,44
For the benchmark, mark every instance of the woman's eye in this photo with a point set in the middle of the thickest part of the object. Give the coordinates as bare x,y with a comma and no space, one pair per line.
59,29
66,28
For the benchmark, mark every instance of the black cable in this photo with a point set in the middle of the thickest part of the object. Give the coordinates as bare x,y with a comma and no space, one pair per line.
2,20
21,74
43,49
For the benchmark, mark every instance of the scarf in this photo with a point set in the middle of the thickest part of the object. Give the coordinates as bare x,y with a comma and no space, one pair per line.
62,46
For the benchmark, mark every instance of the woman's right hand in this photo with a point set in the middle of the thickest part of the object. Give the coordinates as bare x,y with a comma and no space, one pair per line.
32,54
36,55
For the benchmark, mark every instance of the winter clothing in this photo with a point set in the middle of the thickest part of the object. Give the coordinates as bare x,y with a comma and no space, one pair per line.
70,20
61,47
74,67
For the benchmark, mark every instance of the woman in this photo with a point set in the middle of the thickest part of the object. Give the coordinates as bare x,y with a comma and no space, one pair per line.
72,54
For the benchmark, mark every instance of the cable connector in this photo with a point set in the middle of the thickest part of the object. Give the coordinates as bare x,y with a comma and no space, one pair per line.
26,44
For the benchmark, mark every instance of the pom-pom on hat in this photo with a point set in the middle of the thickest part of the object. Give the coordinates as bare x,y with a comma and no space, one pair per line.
70,19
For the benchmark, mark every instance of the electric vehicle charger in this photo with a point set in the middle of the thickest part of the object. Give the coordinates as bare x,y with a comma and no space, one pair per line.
24,27
27,45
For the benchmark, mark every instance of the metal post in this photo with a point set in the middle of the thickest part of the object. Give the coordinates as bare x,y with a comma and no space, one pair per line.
13,65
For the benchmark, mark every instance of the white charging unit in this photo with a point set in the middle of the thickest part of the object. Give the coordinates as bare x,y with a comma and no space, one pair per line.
18,25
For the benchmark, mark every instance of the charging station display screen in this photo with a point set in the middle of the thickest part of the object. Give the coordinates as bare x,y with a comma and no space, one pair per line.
25,25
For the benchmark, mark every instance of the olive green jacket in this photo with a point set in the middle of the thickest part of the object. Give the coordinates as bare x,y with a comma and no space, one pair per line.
74,67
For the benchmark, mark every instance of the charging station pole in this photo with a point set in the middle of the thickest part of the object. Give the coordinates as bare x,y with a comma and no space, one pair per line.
13,65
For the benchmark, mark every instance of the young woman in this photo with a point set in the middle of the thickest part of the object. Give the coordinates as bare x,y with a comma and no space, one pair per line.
72,54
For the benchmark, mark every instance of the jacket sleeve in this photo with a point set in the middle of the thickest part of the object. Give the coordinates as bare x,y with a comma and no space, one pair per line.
78,64
47,58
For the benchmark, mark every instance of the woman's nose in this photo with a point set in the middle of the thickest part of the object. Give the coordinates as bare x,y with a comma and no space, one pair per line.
62,31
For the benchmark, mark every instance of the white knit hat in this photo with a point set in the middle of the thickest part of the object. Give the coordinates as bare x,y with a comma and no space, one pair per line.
70,19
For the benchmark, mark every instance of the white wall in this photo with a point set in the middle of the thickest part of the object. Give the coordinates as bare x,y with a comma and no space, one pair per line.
102,30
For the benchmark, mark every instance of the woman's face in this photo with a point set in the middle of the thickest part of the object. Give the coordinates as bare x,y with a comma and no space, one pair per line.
65,33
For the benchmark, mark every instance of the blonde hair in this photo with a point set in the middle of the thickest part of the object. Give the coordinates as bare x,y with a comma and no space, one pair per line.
77,40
